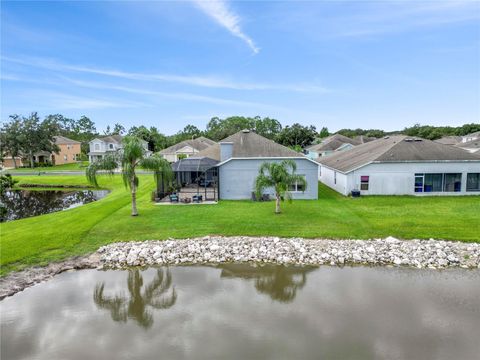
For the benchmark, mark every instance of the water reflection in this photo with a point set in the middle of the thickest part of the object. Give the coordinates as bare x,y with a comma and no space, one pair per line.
158,294
279,282
19,204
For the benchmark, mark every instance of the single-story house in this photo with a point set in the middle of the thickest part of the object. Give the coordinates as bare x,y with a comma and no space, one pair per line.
69,152
330,144
100,147
234,162
471,137
186,148
402,165
472,146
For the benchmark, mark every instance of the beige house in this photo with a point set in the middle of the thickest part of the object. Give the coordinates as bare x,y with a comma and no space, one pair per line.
186,148
69,153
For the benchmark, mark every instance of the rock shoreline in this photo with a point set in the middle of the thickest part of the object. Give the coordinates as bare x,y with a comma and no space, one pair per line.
431,254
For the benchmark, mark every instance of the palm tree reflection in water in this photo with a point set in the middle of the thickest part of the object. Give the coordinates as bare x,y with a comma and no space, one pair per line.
277,281
158,294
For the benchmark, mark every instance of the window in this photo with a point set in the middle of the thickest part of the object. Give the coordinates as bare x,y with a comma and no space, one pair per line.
433,183
110,146
473,182
364,182
97,147
65,157
335,177
68,146
297,187
438,182
419,182
453,182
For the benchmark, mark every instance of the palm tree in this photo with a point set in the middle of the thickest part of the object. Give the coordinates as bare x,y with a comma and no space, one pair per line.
279,176
132,155
155,295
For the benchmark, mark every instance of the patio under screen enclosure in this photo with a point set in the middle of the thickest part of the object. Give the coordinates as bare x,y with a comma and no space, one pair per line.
192,176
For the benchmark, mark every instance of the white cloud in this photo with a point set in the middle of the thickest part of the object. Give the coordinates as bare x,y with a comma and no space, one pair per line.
195,80
223,15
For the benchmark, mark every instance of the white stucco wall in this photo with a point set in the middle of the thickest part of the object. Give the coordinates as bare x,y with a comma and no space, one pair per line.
398,178
327,176
237,178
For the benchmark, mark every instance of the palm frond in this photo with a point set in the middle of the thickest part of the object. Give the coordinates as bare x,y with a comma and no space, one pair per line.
108,164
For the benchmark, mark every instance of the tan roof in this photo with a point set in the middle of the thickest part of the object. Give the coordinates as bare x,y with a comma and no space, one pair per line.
398,148
199,144
333,142
248,144
64,140
449,140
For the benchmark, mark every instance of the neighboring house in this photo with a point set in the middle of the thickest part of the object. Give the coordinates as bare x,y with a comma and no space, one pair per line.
186,148
402,165
69,152
100,147
472,146
471,137
237,159
362,139
330,144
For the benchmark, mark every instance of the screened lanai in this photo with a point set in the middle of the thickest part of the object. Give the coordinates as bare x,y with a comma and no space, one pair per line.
196,176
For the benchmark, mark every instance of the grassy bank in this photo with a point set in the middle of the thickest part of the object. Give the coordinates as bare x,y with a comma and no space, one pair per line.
81,230
80,165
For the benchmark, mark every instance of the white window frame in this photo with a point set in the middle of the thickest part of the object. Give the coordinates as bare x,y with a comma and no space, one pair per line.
296,186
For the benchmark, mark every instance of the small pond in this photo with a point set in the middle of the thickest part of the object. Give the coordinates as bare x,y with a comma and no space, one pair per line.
19,204
246,312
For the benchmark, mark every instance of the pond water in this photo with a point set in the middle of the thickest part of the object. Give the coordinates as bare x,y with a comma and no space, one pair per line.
246,312
19,204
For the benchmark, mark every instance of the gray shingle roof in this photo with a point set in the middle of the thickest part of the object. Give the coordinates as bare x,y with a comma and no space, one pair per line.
199,144
248,144
333,142
449,140
64,140
112,139
398,148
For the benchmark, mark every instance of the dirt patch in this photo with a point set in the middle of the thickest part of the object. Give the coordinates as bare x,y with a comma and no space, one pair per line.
18,281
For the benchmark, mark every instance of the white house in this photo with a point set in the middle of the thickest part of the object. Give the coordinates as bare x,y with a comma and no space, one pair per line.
235,161
330,145
401,165
186,148
100,147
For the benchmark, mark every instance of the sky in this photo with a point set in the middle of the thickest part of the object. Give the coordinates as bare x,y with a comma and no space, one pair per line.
339,64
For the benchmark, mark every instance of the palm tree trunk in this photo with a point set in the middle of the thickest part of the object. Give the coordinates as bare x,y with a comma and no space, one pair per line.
277,203
134,197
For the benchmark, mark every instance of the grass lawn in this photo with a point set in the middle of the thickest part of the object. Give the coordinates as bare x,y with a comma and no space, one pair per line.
52,237
80,165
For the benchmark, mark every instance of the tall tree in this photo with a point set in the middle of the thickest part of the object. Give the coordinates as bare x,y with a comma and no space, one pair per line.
132,156
267,127
38,136
279,176
118,129
10,137
324,132
297,135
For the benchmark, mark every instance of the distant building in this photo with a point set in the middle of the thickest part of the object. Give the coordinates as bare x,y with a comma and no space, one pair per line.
330,144
69,152
472,146
471,137
402,165
100,147
186,148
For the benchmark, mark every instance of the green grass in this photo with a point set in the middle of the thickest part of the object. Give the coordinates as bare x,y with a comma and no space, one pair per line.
80,165
52,237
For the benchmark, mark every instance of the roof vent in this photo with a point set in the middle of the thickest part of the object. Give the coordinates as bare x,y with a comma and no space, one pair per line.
408,140
417,139
245,131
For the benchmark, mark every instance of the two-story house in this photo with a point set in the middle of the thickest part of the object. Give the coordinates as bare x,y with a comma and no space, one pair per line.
100,147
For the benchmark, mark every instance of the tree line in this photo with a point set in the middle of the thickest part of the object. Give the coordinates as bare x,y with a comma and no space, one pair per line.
23,136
